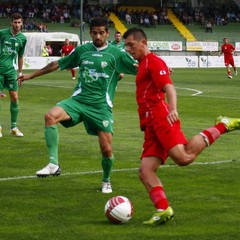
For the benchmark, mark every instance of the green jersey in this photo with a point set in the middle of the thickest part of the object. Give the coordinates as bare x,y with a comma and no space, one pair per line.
99,71
120,45
11,47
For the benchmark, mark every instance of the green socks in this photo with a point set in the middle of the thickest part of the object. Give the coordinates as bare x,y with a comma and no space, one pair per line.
51,139
14,113
107,163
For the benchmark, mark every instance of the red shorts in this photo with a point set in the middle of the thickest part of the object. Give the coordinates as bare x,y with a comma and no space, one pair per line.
229,61
160,137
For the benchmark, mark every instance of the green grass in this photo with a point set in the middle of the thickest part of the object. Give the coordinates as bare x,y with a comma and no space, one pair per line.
205,195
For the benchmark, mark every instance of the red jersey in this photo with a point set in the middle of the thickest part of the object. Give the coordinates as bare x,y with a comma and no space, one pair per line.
227,50
152,76
66,49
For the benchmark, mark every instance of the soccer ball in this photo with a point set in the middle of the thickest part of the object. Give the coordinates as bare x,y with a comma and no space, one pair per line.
119,209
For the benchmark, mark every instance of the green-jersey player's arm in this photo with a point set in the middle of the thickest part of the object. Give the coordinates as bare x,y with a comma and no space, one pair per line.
20,65
20,56
127,65
71,60
52,66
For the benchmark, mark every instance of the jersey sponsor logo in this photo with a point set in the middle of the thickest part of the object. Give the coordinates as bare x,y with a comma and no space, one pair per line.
163,72
86,62
8,51
97,55
90,75
105,123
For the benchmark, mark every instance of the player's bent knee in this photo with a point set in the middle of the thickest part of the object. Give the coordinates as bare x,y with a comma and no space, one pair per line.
141,174
49,119
144,173
182,161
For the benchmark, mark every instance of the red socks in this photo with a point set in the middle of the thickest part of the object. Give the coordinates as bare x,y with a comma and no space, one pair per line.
73,72
158,198
214,133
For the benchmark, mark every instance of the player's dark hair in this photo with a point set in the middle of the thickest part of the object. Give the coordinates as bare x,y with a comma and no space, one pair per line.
117,32
16,16
99,22
137,33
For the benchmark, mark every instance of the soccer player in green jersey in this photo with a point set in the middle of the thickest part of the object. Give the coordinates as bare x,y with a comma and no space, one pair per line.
99,65
118,41
119,44
12,46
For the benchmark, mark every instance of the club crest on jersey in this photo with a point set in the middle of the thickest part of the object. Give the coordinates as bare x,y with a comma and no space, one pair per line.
103,64
162,72
105,123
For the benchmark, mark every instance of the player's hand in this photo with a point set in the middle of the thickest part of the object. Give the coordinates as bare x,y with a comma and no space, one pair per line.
136,66
170,71
120,76
23,78
172,117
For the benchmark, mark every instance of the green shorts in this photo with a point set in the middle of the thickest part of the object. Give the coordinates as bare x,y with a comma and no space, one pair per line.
94,118
9,81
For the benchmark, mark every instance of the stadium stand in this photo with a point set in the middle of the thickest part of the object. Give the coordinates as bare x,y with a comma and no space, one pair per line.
180,27
120,27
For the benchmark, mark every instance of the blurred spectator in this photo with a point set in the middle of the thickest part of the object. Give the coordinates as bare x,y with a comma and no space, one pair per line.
46,50
209,27
42,27
155,19
146,21
128,18
110,23
66,15
141,22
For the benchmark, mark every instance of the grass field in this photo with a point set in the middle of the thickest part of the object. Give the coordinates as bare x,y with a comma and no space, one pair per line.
205,195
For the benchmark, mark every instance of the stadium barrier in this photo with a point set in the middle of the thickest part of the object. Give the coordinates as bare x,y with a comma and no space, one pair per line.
172,61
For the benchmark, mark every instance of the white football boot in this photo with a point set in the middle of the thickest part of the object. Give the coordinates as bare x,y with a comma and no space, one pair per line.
106,187
1,132
50,170
16,132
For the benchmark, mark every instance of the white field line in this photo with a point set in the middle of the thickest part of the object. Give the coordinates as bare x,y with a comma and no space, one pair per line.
119,170
196,91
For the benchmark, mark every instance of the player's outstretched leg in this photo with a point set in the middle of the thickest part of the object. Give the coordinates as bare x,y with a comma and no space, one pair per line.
231,124
51,138
107,164
160,217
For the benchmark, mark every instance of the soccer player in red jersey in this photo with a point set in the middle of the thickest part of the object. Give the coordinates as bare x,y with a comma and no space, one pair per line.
228,50
66,50
160,122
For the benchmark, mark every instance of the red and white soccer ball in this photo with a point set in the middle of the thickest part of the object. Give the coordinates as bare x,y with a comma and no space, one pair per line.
119,209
